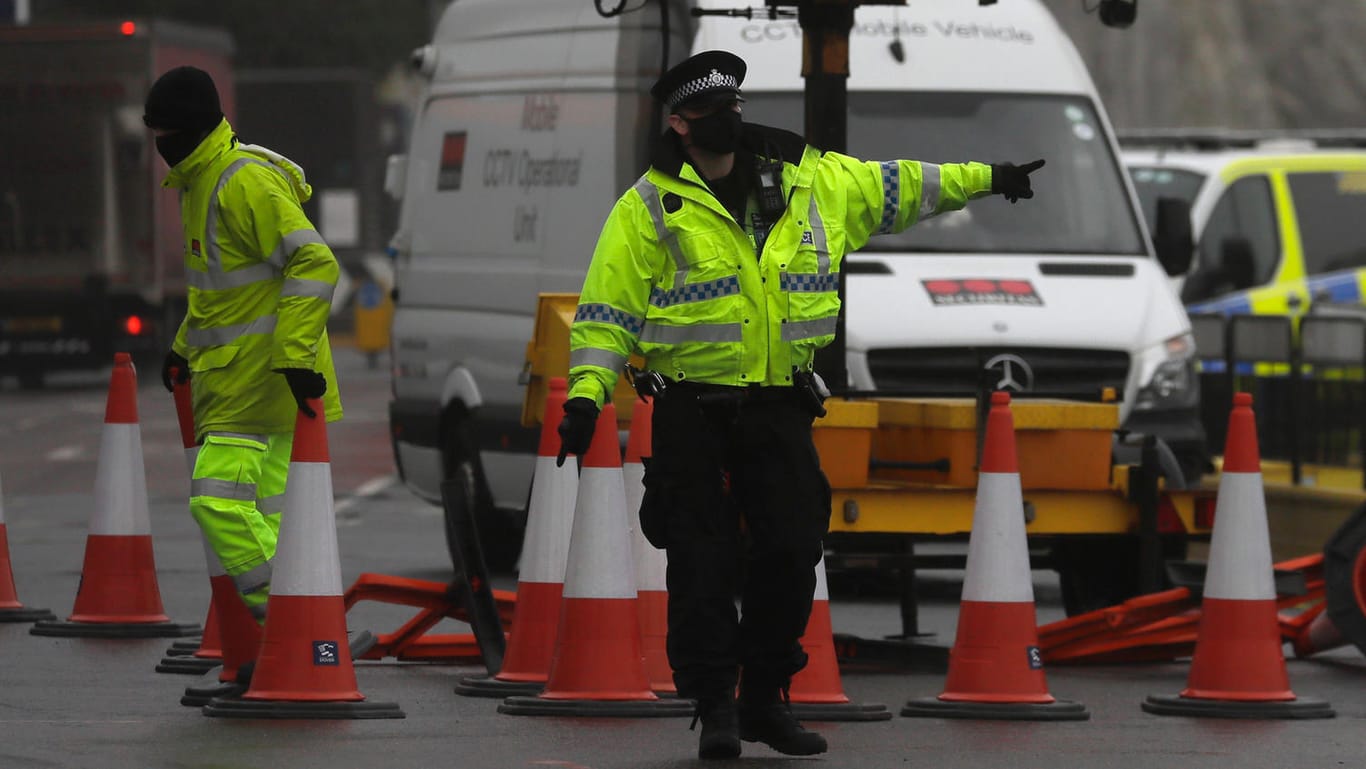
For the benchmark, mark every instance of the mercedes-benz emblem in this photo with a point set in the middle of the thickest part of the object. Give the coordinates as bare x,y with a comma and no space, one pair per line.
1016,375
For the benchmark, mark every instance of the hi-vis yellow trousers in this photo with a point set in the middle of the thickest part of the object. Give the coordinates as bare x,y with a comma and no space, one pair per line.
236,495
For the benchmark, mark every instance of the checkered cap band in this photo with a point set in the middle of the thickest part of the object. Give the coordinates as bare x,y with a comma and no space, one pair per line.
712,81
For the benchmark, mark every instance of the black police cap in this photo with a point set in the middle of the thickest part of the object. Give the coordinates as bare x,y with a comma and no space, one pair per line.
707,77
183,98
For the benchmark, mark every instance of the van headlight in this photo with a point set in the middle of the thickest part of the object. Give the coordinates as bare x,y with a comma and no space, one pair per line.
1173,383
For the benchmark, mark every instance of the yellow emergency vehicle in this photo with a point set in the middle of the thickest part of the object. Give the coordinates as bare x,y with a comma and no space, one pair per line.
1277,217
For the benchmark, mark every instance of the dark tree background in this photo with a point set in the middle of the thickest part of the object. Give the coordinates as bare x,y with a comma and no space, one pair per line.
372,34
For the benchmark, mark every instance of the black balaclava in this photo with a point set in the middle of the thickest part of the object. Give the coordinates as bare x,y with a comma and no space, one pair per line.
718,132
184,101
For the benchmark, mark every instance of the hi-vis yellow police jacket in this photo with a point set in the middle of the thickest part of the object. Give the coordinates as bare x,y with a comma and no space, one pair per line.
260,286
676,277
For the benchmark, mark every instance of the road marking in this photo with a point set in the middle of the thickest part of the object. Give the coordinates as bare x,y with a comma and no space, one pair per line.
65,453
343,508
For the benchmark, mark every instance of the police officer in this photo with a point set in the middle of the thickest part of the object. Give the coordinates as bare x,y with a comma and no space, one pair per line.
253,341
721,266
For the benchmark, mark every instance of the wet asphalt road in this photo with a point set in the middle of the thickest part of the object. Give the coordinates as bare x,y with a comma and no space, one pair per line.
99,704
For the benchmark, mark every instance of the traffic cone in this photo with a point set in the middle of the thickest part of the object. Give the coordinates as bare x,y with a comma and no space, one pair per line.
118,595
1238,670
540,584
652,592
11,610
597,668
191,656
304,669
816,693
995,668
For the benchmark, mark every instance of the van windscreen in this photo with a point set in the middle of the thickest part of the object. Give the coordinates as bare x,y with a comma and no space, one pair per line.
1080,205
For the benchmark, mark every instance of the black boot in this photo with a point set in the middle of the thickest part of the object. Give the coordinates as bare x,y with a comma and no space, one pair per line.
765,716
720,732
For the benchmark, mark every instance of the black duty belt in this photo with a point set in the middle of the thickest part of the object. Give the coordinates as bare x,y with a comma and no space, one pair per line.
714,394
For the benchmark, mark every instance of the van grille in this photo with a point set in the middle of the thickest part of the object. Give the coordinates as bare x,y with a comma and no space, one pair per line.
952,370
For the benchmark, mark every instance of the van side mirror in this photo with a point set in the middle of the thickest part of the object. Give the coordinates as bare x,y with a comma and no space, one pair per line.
1172,236
1236,263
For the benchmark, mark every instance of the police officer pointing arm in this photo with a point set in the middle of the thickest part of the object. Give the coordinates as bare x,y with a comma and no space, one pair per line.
721,267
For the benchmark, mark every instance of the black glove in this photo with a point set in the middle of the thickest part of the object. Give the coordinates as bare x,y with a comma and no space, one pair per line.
182,367
304,384
1013,181
576,429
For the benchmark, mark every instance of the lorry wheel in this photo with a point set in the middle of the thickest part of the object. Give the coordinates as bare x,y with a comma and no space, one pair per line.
1096,573
500,535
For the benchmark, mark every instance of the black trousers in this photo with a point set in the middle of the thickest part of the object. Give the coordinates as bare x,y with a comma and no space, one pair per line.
735,494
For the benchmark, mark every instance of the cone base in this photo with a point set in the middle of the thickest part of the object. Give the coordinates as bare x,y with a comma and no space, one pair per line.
222,707
116,629
652,708
26,615
834,711
1176,705
486,686
1058,710
182,648
209,687
187,665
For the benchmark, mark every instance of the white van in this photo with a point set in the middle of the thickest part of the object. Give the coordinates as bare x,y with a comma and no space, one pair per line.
545,105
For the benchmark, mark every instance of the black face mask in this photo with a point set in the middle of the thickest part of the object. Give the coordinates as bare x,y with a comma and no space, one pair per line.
177,146
718,132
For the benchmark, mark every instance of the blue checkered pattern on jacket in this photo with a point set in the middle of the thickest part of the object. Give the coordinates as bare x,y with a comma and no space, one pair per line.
606,313
808,282
695,292
891,195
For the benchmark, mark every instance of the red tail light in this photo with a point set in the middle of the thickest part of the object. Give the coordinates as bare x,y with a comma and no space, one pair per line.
1204,511
1168,520
128,28
133,325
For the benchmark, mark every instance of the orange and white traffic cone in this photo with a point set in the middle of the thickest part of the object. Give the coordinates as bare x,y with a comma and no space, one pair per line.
1238,670
304,668
11,610
816,693
995,668
194,657
118,596
652,564
597,668
540,583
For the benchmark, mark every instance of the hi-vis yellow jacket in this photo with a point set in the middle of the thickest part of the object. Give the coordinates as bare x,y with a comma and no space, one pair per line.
675,276
260,286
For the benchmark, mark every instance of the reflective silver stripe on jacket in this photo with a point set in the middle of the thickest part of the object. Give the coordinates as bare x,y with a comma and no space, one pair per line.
257,578
592,356
209,337
808,283
929,189
220,489
650,194
261,439
818,236
275,503
221,281
606,313
701,332
212,258
695,292
318,289
891,195
808,329
291,243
